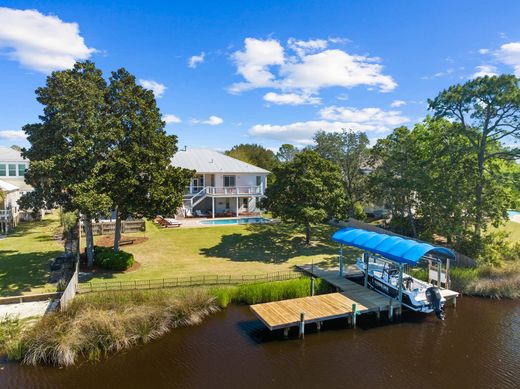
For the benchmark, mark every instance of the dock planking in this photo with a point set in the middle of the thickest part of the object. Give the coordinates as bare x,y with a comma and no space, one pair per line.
287,313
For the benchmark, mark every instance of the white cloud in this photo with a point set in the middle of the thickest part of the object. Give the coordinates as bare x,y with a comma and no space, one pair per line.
157,88
509,54
195,60
439,74
483,51
485,70
12,135
305,47
264,64
254,62
212,121
397,103
332,119
171,118
291,98
41,42
376,117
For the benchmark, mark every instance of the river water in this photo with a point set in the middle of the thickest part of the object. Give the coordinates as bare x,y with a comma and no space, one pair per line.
477,346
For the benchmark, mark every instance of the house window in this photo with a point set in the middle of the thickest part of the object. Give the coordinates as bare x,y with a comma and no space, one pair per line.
3,172
12,170
21,169
229,181
258,180
245,202
227,204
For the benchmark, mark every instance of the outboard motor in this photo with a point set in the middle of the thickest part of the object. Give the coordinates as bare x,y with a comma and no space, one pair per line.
434,297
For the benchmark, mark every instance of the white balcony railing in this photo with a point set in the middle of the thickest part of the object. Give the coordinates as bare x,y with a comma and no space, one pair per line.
225,190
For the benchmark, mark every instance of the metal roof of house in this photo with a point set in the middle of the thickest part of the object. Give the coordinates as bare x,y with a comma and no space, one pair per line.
395,248
7,187
19,182
211,161
8,154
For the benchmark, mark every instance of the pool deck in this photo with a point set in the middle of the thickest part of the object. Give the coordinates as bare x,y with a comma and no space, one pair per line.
195,222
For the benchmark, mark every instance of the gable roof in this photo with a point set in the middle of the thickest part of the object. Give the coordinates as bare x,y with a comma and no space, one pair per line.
8,154
211,161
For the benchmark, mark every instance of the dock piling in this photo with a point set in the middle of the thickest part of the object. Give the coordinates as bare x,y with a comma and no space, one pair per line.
286,332
301,333
354,314
312,285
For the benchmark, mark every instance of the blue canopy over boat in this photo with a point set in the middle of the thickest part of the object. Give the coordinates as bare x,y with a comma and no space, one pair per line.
395,248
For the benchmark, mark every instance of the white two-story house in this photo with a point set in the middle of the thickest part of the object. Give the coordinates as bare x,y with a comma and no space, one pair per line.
222,186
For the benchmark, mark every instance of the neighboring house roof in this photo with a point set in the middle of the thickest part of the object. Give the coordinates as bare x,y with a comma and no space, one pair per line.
211,161
8,154
18,182
7,187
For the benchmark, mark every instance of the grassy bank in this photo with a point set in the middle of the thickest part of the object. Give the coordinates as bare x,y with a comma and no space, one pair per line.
97,324
273,291
492,282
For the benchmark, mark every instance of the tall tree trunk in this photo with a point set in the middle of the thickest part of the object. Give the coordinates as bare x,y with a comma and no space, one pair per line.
117,234
412,221
89,239
307,234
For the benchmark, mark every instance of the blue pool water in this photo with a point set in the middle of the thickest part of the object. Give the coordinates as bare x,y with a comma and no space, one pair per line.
513,213
242,220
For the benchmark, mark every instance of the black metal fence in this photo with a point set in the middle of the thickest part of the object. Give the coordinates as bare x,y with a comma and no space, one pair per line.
188,281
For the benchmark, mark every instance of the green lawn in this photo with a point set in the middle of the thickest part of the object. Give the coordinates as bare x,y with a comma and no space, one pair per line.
237,250
25,255
513,228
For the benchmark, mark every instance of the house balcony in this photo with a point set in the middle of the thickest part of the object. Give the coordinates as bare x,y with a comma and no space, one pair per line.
223,191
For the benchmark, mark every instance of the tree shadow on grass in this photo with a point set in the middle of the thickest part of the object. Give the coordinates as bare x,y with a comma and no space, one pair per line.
274,243
21,272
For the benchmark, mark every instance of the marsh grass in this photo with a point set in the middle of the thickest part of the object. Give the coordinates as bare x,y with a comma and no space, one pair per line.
97,324
488,281
265,292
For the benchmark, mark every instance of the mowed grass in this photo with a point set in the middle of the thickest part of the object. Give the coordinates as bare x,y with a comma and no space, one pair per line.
25,256
227,250
513,228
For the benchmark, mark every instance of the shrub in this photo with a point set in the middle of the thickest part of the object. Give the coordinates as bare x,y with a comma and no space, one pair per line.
105,257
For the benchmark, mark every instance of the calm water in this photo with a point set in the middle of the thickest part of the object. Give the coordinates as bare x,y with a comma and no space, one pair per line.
478,346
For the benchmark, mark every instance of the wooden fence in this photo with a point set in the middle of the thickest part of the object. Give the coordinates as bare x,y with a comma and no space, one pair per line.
109,228
179,282
71,289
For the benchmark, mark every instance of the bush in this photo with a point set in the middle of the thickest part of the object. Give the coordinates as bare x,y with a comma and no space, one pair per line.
105,257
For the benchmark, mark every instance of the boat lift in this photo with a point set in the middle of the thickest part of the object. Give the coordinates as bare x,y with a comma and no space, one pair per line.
398,250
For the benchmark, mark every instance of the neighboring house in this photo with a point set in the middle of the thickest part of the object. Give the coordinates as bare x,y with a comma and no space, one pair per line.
12,171
222,186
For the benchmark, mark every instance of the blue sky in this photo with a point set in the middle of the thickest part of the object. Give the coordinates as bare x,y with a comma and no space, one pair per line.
268,72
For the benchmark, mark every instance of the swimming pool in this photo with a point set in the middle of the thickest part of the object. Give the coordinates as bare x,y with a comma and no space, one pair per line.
513,213
242,220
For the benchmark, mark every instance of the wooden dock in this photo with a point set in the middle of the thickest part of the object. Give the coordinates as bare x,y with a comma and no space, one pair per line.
350,301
